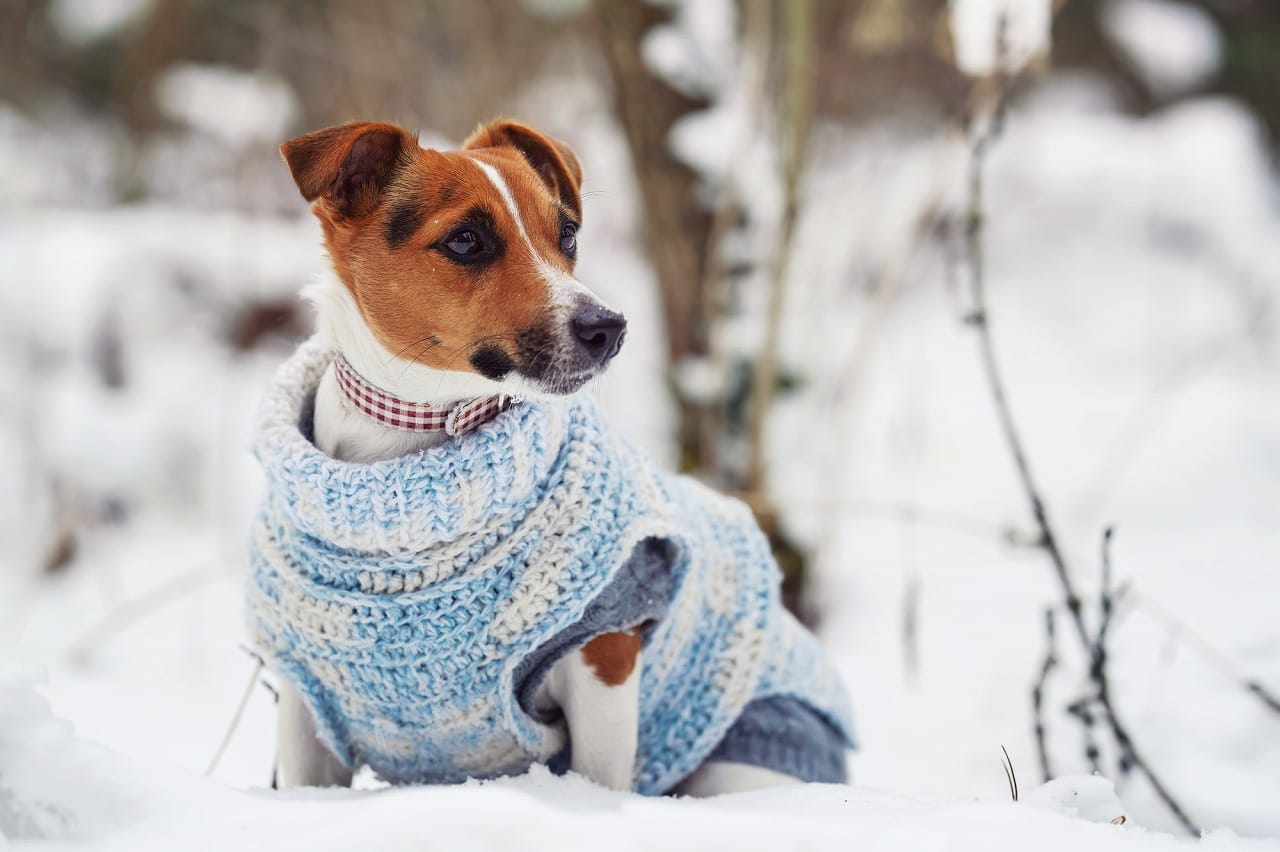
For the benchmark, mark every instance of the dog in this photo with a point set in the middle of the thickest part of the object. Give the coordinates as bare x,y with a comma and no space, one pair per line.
453,298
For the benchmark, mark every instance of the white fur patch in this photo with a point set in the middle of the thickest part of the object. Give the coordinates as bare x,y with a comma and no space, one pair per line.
342,326
716,777
567,292
604,721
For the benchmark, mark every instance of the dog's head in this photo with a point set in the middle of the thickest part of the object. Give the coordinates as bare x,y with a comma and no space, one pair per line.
461,260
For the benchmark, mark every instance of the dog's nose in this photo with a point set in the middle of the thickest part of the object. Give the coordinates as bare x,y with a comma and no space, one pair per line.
600,331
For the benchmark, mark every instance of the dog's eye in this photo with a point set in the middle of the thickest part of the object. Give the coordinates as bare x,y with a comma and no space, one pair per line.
569,239
470,244
464,243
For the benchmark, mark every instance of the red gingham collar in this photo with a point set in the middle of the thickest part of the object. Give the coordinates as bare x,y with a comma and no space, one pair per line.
413,416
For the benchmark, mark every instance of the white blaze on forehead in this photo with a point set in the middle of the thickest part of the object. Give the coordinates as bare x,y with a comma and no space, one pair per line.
496,178
567,291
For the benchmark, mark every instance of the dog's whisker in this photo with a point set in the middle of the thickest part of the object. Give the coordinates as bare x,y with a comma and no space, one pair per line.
420,340
435,344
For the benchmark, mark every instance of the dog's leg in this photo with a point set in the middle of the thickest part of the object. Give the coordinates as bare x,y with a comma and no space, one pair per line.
598,690
304,760
718,776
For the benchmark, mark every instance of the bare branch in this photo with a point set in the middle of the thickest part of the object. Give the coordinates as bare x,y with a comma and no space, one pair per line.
1106,606
1037,693
1267,698
1083,711
984,128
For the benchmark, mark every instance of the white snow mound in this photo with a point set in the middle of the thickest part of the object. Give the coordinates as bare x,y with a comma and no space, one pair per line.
57,791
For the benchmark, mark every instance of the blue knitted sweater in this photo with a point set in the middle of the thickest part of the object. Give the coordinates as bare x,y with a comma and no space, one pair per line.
401,597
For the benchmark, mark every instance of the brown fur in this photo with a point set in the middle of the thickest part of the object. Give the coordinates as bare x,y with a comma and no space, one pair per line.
551,159
368,181
613,656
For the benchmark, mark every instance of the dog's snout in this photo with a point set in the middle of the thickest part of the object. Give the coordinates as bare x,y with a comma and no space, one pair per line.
599,331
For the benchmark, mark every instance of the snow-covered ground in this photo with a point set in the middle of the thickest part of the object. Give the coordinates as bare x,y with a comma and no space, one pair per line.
1134,278
69,791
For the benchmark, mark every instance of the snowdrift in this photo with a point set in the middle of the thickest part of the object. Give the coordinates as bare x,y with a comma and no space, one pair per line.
59,792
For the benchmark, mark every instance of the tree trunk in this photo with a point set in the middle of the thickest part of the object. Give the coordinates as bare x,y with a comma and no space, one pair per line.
677,226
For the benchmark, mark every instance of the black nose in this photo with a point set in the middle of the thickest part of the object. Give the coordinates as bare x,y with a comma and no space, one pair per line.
600,331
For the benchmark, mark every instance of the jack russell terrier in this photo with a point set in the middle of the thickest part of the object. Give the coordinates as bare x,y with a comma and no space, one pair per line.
459,571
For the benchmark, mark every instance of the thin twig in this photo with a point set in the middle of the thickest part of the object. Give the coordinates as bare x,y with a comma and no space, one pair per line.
128,613
1129,757
911,621
795,127
1106,608
1083,710
982,133
979,318
1259,690
1009,774
912,514
1178,629
1149,415
235,720
1038,692
266,684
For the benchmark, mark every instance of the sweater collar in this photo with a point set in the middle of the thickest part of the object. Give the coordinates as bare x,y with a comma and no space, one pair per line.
393,412
416,501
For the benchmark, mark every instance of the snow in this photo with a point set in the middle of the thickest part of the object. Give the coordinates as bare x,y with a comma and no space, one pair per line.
695,53
1174,46
1134,273
234,107
1132,267
976,32
84,21
556,9
59,792
64,159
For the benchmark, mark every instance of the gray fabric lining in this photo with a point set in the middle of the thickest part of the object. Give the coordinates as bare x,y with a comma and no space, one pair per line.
778,733
640,593
787,736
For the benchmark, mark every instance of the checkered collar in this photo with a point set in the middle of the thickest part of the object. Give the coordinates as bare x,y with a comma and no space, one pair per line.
414,416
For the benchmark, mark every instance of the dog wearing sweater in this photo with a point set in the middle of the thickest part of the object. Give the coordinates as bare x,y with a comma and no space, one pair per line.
459,571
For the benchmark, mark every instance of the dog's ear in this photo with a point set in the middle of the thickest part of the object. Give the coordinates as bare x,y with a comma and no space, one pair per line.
349,165
550,158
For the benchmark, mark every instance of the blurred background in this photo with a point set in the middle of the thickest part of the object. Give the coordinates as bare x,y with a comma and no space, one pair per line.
793,203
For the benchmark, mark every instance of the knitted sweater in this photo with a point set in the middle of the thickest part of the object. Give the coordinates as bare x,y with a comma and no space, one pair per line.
401,597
